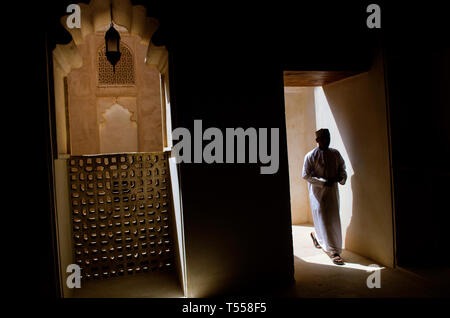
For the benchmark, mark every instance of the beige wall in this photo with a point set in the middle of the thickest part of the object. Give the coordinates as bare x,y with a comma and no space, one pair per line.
354,110
63,217
358,106
88,104
300,128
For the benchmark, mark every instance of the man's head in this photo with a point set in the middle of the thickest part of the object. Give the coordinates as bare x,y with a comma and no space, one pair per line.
323,138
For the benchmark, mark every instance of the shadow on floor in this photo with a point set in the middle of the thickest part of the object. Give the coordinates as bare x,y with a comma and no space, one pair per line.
317,277
142,285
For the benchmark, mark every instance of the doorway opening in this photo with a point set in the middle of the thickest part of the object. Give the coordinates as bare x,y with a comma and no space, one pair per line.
352,106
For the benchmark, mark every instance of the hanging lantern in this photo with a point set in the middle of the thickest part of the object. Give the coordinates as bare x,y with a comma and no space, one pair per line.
112,45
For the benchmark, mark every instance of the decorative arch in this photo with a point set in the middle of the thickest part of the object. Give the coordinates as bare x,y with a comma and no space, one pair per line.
94,17
124,73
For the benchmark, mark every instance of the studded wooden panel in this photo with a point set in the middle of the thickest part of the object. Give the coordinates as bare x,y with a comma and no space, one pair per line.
121,210
124,74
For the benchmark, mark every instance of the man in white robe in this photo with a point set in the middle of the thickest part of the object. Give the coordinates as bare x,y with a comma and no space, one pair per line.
323,169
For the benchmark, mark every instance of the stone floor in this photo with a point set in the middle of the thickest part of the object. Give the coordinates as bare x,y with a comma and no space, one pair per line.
317,276
142,285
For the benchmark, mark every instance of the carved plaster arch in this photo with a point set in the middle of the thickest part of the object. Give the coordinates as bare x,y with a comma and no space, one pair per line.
122,101
105,76
94,17
103,113
118,139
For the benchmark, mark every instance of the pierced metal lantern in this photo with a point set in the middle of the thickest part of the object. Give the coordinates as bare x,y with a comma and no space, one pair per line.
112,45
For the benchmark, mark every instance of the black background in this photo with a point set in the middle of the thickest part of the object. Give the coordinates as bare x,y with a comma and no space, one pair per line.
243,52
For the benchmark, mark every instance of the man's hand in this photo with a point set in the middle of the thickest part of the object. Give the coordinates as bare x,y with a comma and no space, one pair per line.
331,181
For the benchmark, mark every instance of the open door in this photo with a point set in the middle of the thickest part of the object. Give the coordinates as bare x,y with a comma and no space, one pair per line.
353,107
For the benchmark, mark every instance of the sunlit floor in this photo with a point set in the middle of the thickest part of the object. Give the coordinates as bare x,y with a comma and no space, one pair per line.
317,276
143,285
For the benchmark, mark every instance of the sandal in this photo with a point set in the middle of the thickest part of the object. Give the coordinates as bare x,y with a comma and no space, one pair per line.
337,259
316,244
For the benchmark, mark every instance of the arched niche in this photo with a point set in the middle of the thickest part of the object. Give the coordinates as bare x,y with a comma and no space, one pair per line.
118,130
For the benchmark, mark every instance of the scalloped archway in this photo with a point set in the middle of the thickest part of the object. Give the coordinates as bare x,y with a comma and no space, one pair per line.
95,17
